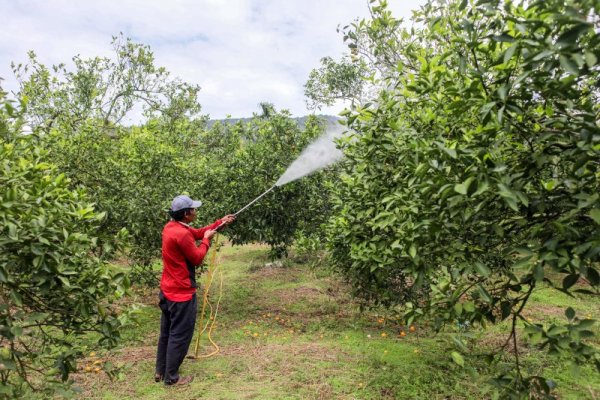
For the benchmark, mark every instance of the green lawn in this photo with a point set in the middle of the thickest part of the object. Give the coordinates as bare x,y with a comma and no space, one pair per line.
291,332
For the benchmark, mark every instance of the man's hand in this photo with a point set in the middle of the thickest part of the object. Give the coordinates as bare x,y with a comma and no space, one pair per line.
226,220
209,233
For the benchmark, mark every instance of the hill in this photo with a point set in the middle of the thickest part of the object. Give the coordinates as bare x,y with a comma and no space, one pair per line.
330,119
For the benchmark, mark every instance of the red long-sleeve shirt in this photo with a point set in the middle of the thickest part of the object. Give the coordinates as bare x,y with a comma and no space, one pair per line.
180,257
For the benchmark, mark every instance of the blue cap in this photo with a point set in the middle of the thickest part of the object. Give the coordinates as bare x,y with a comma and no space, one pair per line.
181,202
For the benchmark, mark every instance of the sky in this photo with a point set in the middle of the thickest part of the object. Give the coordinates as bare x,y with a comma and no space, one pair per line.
240,52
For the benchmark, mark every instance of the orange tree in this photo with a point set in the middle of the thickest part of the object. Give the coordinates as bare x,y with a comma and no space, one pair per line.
131,172
247,158
53,283
476,171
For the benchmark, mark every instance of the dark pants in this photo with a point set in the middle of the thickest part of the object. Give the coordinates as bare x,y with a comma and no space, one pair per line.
176,330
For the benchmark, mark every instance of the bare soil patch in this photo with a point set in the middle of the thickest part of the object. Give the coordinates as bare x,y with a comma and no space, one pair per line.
276,270
294,295
543,310
495,342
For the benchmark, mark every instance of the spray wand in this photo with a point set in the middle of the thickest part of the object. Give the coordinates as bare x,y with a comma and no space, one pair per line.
255,200
249,204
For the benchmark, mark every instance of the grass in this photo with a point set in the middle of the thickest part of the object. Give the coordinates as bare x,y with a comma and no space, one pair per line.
289,332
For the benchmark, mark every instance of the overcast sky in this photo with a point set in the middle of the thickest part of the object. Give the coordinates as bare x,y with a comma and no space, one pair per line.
241,52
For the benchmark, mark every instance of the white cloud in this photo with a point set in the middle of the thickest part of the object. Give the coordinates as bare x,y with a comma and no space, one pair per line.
241,52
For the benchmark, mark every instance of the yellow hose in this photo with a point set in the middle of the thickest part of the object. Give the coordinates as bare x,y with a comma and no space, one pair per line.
212,267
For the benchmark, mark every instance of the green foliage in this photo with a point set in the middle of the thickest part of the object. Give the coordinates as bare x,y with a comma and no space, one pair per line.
133,175
52,283
131,172
244,160
310,249
475,173
334,81
103,90
375,48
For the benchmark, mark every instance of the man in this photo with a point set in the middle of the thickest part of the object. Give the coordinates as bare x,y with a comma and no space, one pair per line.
177,295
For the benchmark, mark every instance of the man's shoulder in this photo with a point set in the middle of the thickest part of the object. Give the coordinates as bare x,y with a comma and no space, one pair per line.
176,228
175,224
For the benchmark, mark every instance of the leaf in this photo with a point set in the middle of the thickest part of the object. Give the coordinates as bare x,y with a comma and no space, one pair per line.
585,324
460,188
550,185
412,251
458,358
500,114
469,306
502,92
570,37
16,298
463,188
595,215
557,331
487,108
482,186
459,343
16,330
593,276
510,52
458,309
569,281
590,59
506,309
10,110
512,203
509,196
462,64
568,65
504,37
451,152
523,262
482,268
543,54
538,272
64,281
485,295
570,313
